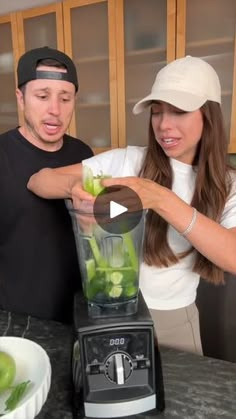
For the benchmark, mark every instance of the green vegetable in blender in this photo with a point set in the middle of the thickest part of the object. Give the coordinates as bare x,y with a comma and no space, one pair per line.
113,291
94,287
102,278
88,179
90,269
130,291
116,277
100,261
92,184
131,251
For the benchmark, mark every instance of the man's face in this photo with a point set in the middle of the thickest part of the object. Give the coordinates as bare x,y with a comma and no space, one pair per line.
47,106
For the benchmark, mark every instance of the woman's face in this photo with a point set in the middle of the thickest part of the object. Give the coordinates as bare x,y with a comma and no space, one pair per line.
176,131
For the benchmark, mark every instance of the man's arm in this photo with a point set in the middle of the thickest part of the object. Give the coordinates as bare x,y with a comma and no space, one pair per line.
55,183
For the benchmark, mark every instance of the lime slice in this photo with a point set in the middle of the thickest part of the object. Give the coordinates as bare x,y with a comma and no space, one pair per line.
116,277
90,268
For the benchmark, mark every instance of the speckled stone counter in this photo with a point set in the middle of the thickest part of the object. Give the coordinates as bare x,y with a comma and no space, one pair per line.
195,387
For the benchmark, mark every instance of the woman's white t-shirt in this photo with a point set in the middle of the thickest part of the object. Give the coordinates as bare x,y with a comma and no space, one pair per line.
173,287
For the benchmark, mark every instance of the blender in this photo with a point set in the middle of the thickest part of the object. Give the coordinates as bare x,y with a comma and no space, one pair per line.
117,368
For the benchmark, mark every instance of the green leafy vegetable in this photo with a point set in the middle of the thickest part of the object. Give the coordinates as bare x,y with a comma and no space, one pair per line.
16,395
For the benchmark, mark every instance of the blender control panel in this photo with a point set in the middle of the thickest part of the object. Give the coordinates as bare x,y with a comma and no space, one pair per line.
117,355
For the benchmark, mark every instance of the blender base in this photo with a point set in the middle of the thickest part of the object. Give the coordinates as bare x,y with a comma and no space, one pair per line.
125,308
117,370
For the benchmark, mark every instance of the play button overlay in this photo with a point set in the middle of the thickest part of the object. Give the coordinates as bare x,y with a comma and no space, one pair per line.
118,210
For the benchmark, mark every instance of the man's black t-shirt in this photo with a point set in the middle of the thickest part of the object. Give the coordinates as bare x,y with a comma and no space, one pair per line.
39,270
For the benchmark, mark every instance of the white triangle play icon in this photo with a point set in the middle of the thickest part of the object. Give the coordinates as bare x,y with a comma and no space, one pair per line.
116,209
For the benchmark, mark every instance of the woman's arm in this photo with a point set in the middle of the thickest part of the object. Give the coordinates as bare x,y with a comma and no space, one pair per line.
215,242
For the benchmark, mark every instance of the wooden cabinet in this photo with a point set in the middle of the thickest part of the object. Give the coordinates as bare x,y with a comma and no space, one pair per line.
22,31
8,55
207,29
118,46
90,39
40,27
145,42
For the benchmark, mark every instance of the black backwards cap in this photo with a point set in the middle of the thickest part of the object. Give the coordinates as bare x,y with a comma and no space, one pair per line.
27,66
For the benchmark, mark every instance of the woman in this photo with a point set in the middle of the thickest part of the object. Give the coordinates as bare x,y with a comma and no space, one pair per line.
183,179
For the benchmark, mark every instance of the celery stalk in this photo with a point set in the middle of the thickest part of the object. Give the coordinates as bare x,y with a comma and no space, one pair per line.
131,251
96,253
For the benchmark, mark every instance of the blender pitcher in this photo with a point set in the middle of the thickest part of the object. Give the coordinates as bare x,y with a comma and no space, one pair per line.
109,260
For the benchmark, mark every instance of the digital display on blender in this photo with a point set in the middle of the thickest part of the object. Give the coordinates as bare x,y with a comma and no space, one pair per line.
98,347
117,341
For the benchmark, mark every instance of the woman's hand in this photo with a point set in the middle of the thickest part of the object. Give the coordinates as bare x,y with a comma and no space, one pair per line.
148,191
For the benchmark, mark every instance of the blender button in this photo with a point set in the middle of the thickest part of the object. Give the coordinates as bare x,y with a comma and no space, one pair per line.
87,369
142,364
94,369
135,364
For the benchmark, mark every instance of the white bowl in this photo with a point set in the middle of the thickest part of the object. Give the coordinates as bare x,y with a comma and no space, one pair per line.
32,363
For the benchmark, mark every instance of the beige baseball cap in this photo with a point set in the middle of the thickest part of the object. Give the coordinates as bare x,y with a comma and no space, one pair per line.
186,83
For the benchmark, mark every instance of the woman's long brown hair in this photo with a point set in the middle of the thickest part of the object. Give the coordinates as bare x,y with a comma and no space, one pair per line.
211,190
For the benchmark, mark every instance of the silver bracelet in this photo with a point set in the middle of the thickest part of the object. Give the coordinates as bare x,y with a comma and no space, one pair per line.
191,224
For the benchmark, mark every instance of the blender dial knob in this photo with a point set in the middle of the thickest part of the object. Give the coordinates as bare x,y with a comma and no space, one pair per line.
118,368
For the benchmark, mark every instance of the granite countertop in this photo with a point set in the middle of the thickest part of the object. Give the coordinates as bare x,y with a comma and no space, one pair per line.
195,387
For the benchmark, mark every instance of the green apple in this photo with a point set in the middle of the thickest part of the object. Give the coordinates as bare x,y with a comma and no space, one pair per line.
7,370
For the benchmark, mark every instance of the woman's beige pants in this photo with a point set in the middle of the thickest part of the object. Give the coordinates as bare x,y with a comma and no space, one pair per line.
178,328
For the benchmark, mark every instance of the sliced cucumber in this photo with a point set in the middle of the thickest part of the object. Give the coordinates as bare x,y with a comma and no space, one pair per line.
116,277
115,291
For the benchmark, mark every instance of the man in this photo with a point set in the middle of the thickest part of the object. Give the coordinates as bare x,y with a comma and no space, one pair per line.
39,270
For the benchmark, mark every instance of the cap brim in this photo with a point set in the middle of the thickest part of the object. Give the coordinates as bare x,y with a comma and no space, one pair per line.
181,100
